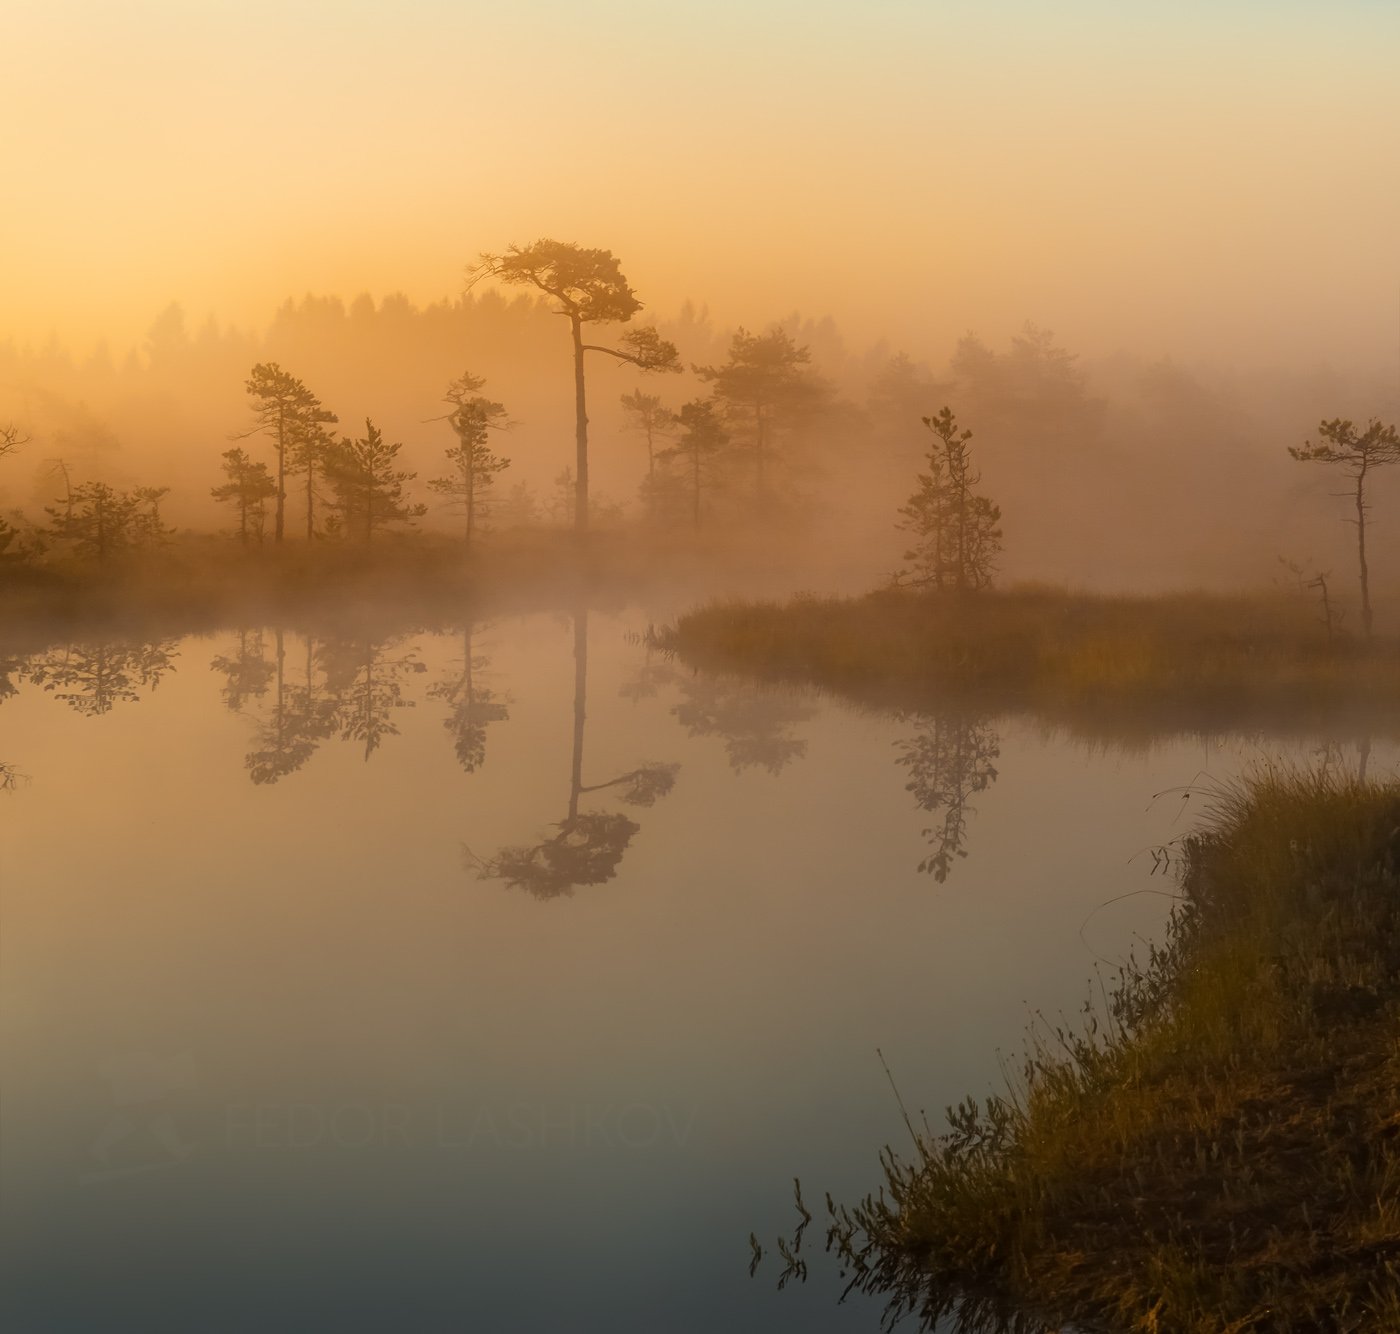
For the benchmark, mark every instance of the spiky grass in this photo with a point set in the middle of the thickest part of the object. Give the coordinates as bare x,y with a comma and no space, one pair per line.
1218,1148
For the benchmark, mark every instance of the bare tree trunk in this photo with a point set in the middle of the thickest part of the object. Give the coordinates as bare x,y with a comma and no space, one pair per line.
277,528
471,503
1321,582
1361,550
580,433
760,425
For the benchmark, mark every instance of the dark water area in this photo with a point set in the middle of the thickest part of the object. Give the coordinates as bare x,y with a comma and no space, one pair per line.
503,976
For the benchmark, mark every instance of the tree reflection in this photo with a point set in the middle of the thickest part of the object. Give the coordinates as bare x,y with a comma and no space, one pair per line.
366,677
951,758
92,679
350,687
655,671
472,707
589,845
10,668
247,670
11,671
300,718
756,723
1332,762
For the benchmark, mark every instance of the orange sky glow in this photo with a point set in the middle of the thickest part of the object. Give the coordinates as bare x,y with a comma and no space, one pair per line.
1213,179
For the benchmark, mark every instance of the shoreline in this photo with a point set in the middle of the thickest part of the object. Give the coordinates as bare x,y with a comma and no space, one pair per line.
1218,1149
1099,665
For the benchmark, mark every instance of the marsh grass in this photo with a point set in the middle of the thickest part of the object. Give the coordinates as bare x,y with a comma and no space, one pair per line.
196,583
1108,665
1217,1147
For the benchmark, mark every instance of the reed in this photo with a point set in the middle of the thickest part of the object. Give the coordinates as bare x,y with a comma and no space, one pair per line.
1216,1147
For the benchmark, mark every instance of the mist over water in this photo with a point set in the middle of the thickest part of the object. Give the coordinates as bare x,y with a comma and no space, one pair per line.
291,1039
395,934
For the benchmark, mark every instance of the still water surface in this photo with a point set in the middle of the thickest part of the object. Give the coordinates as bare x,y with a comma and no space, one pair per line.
503,977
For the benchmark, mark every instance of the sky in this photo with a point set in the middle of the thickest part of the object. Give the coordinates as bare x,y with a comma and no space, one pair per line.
1215,179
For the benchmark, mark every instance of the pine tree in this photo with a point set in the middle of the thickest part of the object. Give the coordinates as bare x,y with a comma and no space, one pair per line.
764,389
702,442
588,287
650,418
956,530
473,465
370,492
288,412
102,522
1360,453
250,487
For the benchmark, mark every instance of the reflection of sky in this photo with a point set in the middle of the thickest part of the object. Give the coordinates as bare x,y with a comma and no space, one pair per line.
274,1061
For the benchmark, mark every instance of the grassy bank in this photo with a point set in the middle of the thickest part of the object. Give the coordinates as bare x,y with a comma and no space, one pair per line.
1219,1149
194,584
1190,661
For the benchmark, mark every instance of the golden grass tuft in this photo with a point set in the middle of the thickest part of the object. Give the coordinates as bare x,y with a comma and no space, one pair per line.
1218,1149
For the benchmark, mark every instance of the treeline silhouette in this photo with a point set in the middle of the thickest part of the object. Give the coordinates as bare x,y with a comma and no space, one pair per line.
1127,471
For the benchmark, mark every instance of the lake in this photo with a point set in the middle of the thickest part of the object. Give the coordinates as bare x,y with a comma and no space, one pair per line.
503,976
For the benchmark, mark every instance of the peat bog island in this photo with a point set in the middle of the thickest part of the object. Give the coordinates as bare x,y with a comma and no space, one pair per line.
700,668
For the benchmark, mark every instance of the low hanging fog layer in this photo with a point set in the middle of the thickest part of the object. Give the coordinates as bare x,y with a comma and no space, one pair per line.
1138,254
1111,472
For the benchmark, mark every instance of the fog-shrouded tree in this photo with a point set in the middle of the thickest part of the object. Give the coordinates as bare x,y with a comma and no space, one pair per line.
956,532
102,522
249,487
697,450
370,489
518,508
764,389
12,439
12,551
310,453
151,528
1358,452
589,288
472,463
289,414
650,418
898,395
1036,389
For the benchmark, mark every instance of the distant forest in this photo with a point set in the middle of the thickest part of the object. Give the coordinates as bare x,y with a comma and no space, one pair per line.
1117,473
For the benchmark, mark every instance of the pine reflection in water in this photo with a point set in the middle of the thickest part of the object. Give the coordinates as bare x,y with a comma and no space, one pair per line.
951,758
